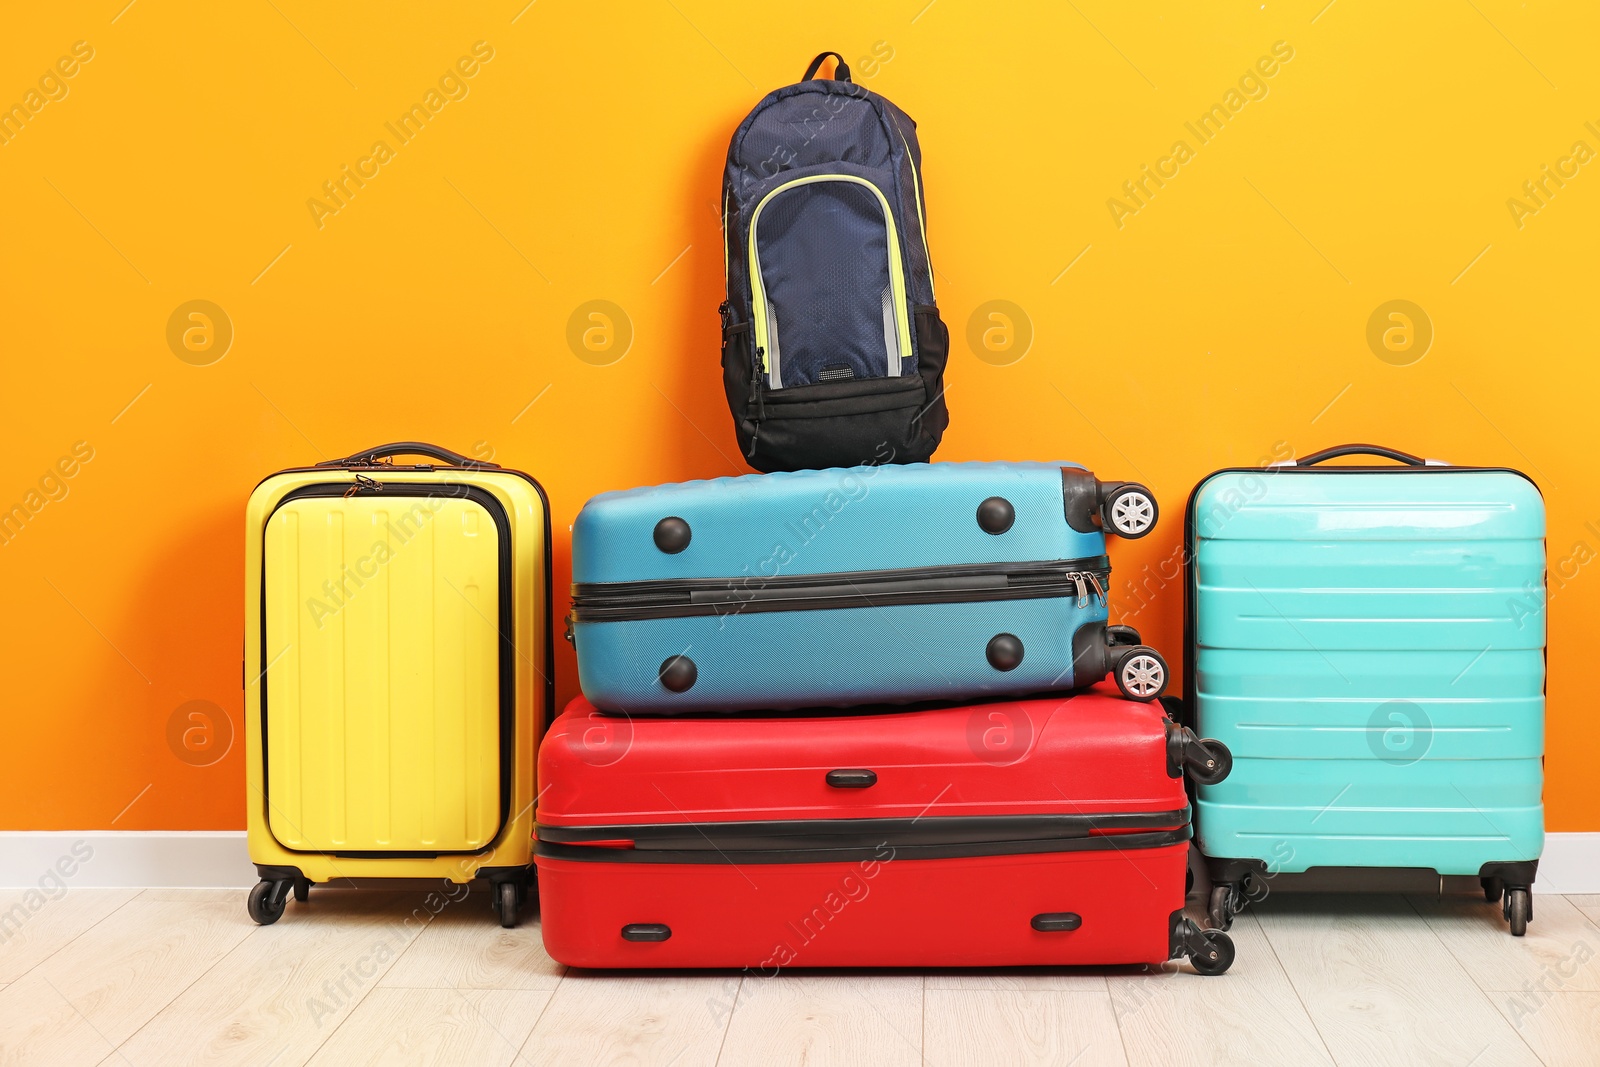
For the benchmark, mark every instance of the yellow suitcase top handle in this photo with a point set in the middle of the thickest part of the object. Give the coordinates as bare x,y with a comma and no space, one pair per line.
375,456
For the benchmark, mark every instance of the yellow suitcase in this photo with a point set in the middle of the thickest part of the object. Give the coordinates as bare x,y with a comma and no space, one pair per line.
398,673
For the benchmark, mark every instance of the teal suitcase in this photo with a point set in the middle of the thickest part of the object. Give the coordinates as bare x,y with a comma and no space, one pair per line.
1369,642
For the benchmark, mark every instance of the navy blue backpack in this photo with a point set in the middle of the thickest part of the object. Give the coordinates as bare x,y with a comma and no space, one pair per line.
833,351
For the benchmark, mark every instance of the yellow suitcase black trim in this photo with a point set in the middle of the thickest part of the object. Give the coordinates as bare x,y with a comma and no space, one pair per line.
373,763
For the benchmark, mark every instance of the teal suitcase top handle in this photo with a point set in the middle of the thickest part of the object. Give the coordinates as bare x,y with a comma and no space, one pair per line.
1360,450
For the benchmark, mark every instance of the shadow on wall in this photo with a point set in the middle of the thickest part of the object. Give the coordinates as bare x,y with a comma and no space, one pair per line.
708,446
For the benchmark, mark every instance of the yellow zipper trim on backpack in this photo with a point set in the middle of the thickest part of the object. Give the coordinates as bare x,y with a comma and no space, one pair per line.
897,280
922,219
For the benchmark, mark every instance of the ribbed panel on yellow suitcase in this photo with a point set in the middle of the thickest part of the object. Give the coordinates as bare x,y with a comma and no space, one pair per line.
383,729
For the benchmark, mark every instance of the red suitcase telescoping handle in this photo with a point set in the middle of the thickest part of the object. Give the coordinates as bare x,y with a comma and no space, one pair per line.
1360,450
374,457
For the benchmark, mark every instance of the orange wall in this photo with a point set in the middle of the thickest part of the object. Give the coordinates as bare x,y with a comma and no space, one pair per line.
1228,313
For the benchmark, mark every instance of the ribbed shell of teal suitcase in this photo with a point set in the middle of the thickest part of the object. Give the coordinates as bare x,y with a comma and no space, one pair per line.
1369,643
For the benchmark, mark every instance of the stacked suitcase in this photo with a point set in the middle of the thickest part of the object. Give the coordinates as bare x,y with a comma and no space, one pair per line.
747,783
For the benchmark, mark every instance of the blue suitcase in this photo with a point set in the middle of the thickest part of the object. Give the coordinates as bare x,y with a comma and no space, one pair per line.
861,585
1368,641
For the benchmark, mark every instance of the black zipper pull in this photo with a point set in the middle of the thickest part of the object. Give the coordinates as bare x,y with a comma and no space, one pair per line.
725,312
758,371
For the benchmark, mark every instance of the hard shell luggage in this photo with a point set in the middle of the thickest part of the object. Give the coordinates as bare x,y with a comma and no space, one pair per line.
1044,831
1369,643
397,668
886,584
833,352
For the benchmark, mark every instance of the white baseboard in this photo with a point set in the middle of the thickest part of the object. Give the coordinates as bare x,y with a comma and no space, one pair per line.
1570,864
124,859
205,858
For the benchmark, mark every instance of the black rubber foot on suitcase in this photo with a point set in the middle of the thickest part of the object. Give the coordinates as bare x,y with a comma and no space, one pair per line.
996,515
678,674
672,535
1004,652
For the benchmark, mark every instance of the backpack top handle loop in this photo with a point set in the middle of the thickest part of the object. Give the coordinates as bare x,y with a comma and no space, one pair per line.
841,69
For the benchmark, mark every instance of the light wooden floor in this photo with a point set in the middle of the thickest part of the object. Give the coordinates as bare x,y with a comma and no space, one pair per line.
165,977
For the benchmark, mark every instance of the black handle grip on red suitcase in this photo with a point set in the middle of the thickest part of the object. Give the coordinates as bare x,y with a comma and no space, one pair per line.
1362,450
370,457
648,932
851,778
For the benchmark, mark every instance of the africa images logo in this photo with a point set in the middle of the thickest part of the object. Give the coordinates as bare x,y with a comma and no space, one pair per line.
1252,85
452,85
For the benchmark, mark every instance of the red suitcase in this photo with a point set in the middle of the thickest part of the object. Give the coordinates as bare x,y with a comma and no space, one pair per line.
1046,831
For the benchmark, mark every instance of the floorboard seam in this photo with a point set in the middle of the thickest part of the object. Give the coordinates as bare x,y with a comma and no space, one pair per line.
728,1025
1482,992
372,984
922,1054
551,999
74,939
1116,1016
1298,996
157,1013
